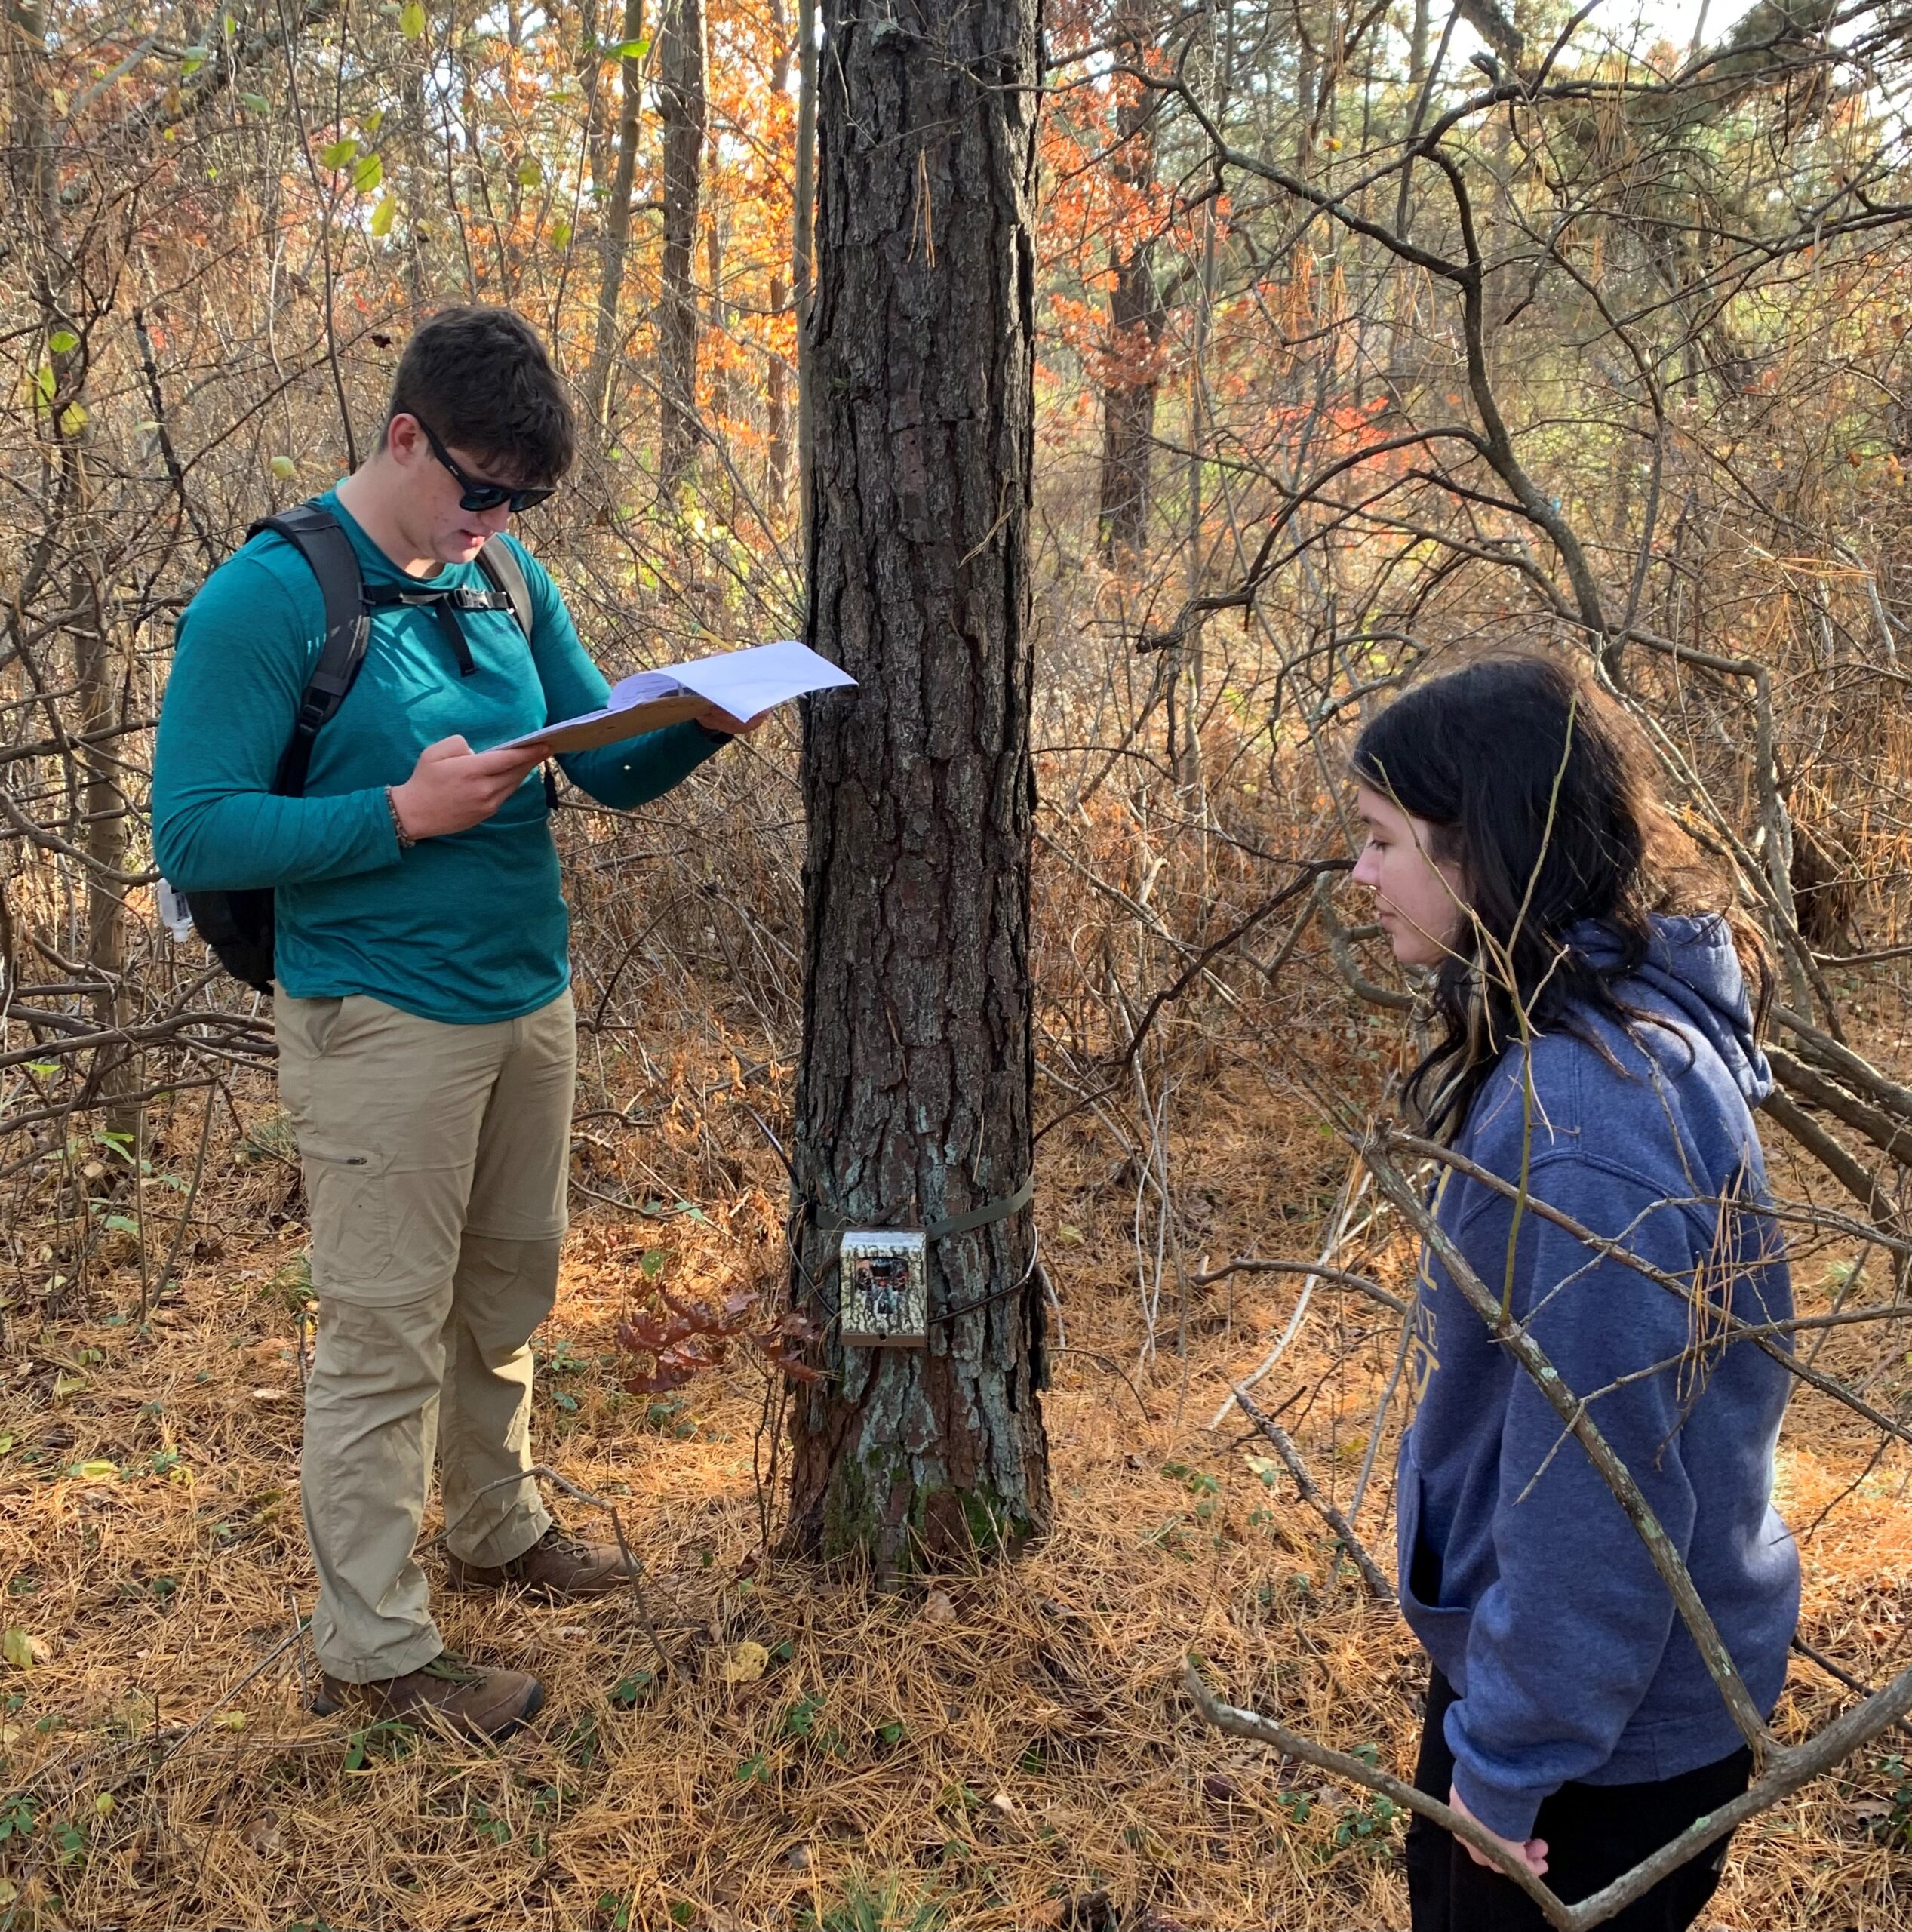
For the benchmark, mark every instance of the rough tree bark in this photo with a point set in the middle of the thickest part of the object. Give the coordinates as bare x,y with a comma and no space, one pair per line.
681,105
1132,374
914,1097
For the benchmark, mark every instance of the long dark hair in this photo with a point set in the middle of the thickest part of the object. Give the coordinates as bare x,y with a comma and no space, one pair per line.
1539,790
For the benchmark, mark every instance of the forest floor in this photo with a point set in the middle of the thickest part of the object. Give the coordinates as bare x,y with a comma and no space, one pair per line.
1009,1748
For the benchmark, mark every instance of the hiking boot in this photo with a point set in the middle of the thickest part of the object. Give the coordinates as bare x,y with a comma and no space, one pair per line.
557,1568
469,1697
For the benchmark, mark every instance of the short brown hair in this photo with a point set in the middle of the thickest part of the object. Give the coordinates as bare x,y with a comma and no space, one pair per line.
480,378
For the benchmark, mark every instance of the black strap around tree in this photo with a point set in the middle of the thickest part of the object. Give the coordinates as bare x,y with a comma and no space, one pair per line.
829,1223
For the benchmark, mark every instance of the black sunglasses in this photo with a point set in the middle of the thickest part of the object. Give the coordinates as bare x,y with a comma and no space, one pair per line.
480,495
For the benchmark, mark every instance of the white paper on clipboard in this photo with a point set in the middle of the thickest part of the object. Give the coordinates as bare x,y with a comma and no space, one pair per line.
745,683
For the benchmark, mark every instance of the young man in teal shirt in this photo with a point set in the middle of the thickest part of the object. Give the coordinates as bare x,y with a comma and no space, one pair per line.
427,1048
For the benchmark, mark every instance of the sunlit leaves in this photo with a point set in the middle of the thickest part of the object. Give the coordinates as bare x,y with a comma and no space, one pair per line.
382,217
339,153
367,174
411,20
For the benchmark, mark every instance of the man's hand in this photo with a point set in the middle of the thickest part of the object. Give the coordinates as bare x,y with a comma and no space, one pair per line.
713,719
453,787
1532,1854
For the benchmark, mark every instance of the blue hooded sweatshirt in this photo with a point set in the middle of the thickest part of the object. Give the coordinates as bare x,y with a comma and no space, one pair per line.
1519,1574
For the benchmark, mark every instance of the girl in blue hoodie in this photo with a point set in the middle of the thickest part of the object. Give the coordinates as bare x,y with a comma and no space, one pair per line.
1602,1046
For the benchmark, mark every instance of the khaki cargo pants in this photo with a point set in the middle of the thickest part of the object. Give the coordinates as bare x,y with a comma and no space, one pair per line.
435,1159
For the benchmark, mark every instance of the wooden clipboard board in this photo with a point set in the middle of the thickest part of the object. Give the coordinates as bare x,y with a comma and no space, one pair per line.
617,726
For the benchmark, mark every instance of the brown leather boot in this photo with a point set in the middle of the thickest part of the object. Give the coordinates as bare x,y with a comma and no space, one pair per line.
557,1568
470,1697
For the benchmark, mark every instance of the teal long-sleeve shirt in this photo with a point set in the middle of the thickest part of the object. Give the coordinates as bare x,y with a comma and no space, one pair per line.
466,928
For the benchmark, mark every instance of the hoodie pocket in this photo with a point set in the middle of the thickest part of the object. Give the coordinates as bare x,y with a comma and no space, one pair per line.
1442,1631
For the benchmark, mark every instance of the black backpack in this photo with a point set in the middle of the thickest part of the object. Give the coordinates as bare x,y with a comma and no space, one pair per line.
238,925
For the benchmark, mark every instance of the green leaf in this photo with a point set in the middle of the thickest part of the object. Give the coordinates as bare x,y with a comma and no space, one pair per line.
255,103
196,57
368,174
653,1264
62,340
372,123
17,1648
382,217
284,468
530,174
627,50
560,233
411,20
45,1068
69,1385
44,382
96,1471
124,1224
338,153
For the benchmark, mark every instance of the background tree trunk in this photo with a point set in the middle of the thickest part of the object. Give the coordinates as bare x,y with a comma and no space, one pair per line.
803,242
915,1090
777,387
1137,315
681,104
98,830
615,240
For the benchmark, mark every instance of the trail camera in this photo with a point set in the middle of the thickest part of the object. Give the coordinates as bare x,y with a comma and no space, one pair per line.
885,1290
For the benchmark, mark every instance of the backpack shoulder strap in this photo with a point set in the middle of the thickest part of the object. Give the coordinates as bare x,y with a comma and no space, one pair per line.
499,561
315,533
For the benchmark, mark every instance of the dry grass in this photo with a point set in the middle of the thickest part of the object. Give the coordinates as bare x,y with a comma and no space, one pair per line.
978,1754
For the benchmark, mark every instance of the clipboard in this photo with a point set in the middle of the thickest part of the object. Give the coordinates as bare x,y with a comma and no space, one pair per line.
746,684
611,728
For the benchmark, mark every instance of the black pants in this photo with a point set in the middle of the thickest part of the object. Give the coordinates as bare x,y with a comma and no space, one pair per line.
1594,1832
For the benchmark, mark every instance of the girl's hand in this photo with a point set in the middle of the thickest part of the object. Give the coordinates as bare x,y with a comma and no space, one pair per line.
1532,1854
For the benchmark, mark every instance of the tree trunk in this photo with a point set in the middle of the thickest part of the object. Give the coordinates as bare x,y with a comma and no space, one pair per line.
615,241
777,411
100,831
1131,373
914,1096
681,102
